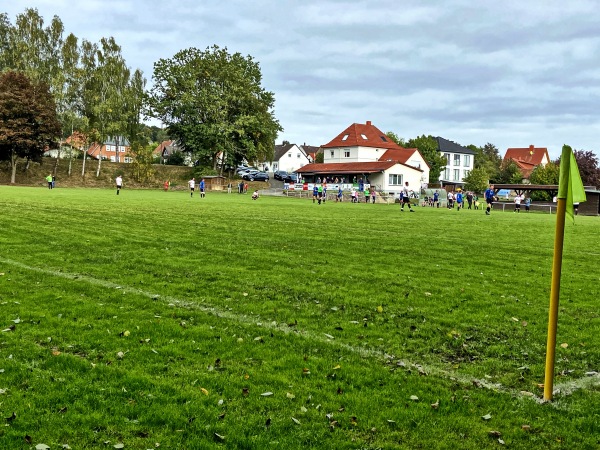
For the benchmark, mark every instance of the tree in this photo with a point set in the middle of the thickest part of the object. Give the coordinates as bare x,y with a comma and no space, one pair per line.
587,162
320,157
28,121
488,158
548,174
509,173
394,137
428,147
105,86
477,180
213,104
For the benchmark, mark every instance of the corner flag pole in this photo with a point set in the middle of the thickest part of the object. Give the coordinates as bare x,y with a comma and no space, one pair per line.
554,296
570,191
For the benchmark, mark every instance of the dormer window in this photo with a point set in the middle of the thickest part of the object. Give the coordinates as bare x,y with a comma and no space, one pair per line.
345,137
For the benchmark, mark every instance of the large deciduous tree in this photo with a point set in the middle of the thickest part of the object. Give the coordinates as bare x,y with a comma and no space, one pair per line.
28,120
428,146
587,162
548,174
477,180
212,103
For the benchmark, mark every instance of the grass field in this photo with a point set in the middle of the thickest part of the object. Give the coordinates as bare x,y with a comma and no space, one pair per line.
152,319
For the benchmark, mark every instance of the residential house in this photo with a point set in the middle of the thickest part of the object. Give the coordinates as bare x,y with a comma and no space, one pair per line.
311,152
115,149
527,158
72,146
288,157
460,161
165,149
363,153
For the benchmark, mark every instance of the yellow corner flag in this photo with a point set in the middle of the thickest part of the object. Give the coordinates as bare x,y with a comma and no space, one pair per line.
570,190
570,186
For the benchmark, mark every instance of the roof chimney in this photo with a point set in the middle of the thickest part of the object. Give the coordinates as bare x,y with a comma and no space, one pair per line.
368,123
531,147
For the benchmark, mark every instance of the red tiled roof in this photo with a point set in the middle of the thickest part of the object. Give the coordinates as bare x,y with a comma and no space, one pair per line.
364,135
159,149
399,154
351,167
529,155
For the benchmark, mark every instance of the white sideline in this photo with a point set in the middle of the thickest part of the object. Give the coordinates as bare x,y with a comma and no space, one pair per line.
564,389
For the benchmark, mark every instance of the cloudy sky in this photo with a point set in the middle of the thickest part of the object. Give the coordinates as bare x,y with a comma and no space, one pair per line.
509,72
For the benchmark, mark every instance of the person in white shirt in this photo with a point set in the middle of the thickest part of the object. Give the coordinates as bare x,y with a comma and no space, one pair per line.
406,198
450,200
518,204
119,182
192,185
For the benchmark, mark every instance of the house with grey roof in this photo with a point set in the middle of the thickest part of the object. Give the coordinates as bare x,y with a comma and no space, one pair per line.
460,161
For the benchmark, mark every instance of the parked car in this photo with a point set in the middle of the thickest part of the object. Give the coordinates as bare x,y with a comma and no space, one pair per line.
280,175
241,172
291,178
258,176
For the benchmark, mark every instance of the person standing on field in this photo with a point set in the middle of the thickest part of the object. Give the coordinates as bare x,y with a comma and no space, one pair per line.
406,198
489,199
518,204
459,200
202,188
119,183
49,181
192,185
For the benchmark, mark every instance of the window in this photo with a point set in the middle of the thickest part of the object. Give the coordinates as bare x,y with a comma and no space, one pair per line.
112,159
345,137
456,175
122,149
128,159
363,136
347,154
447,156
395,180
383,138
466,173
298,155
446,174
110,148
457,160
415,163
467,160
289,155
332,153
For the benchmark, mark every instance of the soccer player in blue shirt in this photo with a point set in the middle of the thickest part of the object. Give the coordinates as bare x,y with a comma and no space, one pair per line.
489,198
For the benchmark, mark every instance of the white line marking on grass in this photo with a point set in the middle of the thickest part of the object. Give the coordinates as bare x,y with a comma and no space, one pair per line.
564,389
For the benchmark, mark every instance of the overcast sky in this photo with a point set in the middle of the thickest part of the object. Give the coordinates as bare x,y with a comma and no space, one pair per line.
513,73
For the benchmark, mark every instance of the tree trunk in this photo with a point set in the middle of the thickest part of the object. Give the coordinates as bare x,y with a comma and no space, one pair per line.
70,160
99,164
83,165
13,166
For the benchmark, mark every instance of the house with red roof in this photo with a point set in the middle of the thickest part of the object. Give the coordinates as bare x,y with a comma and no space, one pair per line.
364,153
527,158
115,149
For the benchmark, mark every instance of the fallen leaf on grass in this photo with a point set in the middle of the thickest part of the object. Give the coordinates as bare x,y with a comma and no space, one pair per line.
525,427
204,391
42,447
435,405
120,355
500,441
219,437
495,433
380,309
290,395
564,345
55,352
296,421
515,319
337,367
487,417
266,394
329,336
119,445
414,398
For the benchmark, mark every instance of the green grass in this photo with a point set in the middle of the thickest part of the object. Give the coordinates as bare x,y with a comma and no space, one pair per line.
341,311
